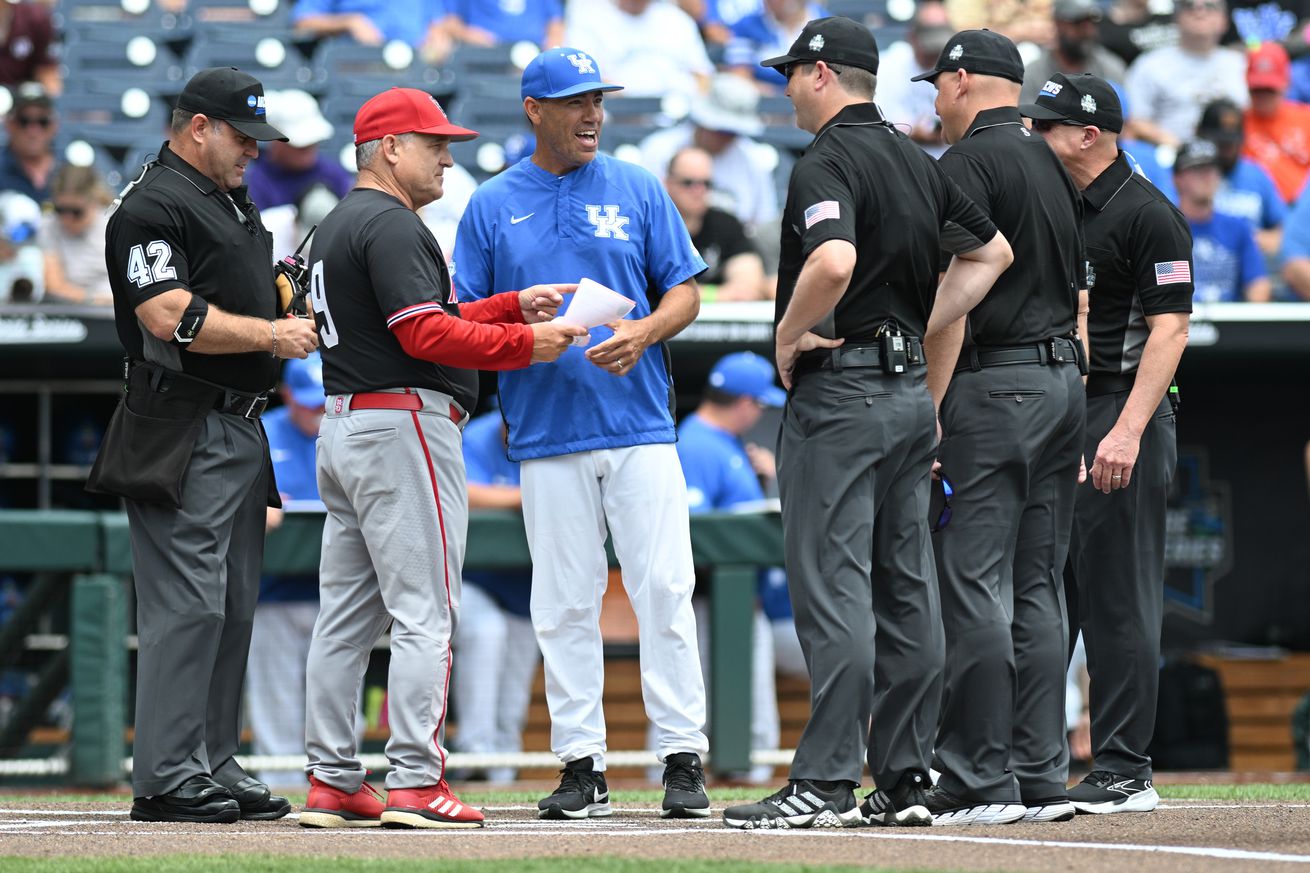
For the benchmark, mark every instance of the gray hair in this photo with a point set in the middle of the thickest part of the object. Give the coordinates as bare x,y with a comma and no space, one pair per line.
855,81
182,120
366,152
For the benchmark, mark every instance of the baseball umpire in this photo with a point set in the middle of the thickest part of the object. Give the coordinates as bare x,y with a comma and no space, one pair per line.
399,361
1140,286
867,215
1012,421
196,310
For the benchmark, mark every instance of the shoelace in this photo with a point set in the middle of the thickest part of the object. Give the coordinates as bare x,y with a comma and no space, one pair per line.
684,777
1100,778
575,781
371,790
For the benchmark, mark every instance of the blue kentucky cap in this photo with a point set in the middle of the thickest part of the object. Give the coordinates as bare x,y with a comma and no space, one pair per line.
746,374
562,72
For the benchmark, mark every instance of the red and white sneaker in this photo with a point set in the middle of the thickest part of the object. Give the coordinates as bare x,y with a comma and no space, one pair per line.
432,806
328,807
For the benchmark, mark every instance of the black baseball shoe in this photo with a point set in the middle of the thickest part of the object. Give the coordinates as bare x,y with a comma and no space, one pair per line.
582,793
947,809
1045,809
198,799
802,804
684,787
256,801
1103,792
906,804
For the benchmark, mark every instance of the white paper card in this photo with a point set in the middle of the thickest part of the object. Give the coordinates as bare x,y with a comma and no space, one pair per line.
593,305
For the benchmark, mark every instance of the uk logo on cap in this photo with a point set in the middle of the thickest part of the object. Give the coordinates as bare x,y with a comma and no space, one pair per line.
816,44
956,53
584,64
1089,103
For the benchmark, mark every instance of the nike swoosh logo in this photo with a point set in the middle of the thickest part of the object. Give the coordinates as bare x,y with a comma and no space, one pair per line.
513,220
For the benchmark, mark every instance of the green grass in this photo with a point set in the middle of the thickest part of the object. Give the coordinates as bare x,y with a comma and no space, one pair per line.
1253,793
280,864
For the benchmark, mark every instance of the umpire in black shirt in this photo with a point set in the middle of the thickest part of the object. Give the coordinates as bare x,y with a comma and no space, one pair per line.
1140,275
1012,421
866,217
196,308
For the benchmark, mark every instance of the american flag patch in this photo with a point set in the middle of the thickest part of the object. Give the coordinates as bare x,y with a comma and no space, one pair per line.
819,211
1172,272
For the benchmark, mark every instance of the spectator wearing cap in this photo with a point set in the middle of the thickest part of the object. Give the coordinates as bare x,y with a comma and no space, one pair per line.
73,238
906,103
1245,188
1277,130
21,261
1228,265
734,266
284,171
1131,27
766,32
726,473
27,41
723,123
653,48
28,161
288,604
1140,294
479,22
1168,87
417,23
1077,49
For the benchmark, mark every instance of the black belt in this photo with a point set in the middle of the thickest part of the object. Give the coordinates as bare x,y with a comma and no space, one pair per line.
856,357
1099,384
1056,350
225,400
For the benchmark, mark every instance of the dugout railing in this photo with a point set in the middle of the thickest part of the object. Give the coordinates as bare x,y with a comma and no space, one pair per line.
80,566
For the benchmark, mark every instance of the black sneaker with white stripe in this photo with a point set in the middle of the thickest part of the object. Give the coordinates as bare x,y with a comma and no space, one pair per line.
906,804
1103,792
802,804
684,787
1048,809
947,809
582,793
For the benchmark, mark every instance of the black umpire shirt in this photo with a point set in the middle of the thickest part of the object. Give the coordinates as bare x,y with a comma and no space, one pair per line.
376,263
865,182
176,229
1139,250
1019,182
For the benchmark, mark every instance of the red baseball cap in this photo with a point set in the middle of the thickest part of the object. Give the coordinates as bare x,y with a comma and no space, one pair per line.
1268,67
405,110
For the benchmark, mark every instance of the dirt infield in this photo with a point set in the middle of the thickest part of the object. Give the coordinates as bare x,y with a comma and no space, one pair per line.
1180,836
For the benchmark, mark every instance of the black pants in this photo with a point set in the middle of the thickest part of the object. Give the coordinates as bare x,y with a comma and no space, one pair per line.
196,571
1012,439
854,458
1115,587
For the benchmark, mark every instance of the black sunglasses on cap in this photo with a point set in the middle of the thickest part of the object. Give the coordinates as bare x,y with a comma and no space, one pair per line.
939,503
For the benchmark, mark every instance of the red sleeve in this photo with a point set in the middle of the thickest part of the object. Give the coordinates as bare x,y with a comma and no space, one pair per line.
497,309
432,335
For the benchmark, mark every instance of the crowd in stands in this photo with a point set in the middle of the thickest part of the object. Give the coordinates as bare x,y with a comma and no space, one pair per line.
1189,71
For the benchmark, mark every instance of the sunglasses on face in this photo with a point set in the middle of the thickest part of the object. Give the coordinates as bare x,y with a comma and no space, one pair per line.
1201,7
692,183
788,69
42,121
70,211
1042,125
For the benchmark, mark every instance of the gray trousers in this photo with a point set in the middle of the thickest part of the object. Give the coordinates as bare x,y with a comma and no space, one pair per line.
1115,579
393,550
1012,439
196,571
854,458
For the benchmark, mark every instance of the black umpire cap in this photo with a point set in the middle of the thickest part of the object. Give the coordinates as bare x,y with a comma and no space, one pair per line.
981,52
1083,99
833,40
230,95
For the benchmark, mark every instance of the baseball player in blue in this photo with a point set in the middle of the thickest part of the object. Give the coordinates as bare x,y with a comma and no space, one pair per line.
594,431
